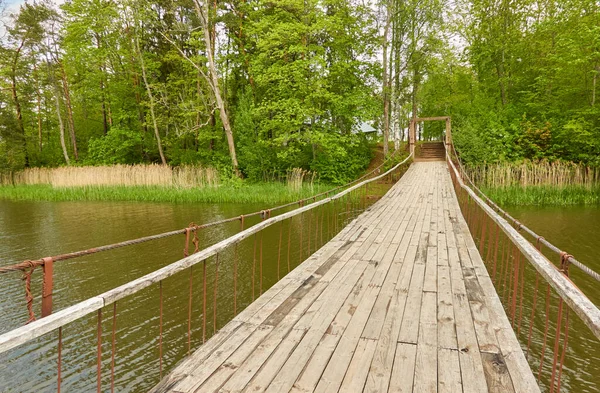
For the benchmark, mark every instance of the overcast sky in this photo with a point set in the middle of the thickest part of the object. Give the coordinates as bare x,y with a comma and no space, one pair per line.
8,7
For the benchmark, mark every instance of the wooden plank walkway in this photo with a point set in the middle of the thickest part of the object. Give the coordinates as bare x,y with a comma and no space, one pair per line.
399,301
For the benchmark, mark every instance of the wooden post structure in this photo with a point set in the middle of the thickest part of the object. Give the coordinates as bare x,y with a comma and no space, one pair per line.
448,133
411,135
413,125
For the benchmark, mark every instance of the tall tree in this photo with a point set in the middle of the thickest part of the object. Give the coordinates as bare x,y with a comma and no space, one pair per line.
202,11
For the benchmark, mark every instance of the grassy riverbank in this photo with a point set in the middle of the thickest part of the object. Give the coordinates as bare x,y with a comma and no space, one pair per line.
543,195
268,193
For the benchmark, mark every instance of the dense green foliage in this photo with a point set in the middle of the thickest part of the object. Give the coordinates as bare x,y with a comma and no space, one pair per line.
525,84
102,82
261,86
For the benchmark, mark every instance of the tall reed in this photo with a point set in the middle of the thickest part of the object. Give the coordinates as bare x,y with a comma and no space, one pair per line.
115,175
296,178
558,174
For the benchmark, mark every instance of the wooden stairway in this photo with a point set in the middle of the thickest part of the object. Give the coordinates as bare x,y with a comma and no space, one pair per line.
430,151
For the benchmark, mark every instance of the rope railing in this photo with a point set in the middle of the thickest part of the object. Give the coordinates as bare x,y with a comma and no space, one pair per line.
308,228
538,297
520,226
27,267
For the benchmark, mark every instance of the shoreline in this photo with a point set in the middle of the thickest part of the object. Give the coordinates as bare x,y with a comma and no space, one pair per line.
268,193
544,195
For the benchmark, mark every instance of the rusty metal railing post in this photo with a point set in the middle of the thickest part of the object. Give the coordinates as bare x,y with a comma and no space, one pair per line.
309,232
203,301
215,293
547,315
279,251
160,330
254,268
47,284
189,332
113,348
59,366
301,235
99,354
235,265
289,244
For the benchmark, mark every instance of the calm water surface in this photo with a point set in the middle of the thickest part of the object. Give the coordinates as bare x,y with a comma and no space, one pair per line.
30,230
576,230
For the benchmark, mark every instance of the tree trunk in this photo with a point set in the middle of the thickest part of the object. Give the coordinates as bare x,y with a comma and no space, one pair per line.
151,99
214,83
61,127
594,81
415,87
500,71
102,89
15,97
386,90
104,119
39,109
70,122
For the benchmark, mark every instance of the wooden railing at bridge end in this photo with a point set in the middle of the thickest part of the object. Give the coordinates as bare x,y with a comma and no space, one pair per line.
412,137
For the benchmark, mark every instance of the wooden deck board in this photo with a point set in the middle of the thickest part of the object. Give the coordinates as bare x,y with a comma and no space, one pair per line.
398,301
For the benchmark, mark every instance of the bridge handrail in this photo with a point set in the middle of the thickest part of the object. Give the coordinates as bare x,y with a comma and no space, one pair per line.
37,328
568,257
566,289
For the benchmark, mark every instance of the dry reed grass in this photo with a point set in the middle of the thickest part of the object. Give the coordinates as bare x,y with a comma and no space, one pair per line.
297,176
528,173
115,175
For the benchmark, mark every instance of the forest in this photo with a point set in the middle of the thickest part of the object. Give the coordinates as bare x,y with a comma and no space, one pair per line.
258,87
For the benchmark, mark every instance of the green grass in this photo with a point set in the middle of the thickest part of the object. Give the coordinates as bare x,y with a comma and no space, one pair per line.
544,195
269,193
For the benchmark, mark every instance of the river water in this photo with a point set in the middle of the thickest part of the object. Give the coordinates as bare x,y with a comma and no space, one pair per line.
575,230
35,229
31,230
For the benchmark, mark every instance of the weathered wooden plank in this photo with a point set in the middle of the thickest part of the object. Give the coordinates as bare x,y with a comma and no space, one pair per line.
356,374
445,317
381,367
202,371
471,367
496,373
425,377
226,370
310,376
449,379
265,375
403,372
431,271
410,326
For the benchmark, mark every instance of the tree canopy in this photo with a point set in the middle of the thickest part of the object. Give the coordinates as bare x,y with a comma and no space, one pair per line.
258,87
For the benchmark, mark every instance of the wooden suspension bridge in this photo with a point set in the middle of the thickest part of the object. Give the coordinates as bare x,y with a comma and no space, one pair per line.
398,301
423,291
